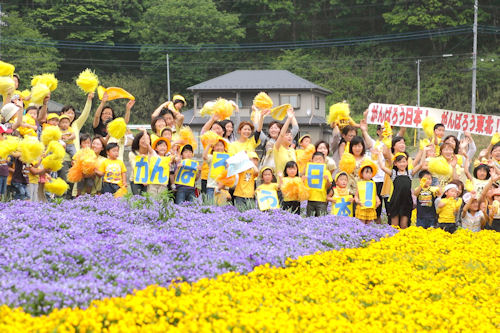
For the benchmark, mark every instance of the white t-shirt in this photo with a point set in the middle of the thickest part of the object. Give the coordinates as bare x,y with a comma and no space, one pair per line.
472,222
380,175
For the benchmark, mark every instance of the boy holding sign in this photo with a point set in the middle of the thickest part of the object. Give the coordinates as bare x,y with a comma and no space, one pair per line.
366,197
186,176
318,180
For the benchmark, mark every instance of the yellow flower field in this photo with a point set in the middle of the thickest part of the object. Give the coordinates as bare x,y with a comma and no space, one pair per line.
414,281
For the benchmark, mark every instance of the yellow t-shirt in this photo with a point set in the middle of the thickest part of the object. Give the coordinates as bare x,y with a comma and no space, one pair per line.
113,170
446,214
246,184
318,194
237,146
33,179
268,187
282,156
68,131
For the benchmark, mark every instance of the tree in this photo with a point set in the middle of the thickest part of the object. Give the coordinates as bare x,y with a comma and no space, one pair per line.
186,22
25,47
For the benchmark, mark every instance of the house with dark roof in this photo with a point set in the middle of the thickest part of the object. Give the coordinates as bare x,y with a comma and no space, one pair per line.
284,87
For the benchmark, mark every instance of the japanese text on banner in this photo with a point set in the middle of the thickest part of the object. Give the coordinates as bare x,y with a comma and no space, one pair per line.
412,116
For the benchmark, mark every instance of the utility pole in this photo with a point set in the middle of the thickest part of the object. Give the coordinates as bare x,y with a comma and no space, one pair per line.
168,78
474,60
418,82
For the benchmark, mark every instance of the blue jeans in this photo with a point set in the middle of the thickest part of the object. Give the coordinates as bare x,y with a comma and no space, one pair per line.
3,185
184,194
21,191
426,222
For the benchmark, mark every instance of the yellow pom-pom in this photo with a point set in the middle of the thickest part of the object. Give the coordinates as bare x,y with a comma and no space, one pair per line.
223,108
225,180
6,69
26,97
186,137
304,156
55,154
209,138
439,166
263,101
117,128
387,132
207,109
88,160
7,85
31,149
26,131
338,111
47,79
57,186
38,93
87,81
121,192
8,146
51,133
424,143
495,139
428,125
295,189
347,163
114,93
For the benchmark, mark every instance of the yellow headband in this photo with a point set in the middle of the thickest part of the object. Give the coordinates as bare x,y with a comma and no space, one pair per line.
398,154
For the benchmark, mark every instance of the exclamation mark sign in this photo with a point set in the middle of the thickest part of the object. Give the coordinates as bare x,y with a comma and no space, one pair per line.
369,195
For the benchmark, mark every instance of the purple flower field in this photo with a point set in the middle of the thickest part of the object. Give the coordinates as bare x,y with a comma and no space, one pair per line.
66,255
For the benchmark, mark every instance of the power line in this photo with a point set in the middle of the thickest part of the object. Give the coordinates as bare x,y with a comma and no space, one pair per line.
264,46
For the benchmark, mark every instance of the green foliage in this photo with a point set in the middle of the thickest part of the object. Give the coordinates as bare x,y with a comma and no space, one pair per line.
185,22
360,74
29,58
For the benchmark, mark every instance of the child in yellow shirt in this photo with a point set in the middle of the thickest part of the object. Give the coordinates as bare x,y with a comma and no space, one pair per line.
68,136
447,208
317,205
245,188
267,192
112,170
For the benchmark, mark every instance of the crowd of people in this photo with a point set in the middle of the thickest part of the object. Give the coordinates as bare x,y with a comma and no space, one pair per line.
356,175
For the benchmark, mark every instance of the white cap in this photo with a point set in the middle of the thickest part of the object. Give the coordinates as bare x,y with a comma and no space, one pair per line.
449,187
8,111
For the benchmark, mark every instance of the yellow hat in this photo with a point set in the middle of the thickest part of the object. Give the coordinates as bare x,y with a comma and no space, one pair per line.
304,136
266,168
340,174
180,98
157,140
52,116
368,163
252,154
63,116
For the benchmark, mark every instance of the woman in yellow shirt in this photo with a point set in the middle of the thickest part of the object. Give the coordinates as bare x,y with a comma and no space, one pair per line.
283,152
246,141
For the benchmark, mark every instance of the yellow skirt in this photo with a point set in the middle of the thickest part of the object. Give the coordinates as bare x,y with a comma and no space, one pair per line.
367,214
